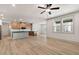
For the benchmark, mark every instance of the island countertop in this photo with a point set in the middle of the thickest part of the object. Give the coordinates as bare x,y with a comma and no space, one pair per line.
19,33
15,30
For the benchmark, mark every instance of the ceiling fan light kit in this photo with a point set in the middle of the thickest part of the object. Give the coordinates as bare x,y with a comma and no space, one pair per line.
49,13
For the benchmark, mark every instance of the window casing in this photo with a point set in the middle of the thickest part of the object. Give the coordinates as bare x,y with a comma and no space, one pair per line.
67,25
57,26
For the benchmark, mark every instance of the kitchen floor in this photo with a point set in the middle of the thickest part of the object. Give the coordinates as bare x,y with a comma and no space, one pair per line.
37,45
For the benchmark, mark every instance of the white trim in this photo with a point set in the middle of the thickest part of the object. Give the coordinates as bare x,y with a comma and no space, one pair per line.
68,17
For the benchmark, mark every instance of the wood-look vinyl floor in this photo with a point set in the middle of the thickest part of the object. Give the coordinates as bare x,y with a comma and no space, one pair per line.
37,46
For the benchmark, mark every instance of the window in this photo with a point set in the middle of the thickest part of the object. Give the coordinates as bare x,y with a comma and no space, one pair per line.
67,25
64,25
56,26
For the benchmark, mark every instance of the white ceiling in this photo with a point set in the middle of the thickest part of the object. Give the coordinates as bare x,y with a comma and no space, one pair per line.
30,12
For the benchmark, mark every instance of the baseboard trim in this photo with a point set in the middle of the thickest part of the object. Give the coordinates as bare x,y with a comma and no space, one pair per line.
68,41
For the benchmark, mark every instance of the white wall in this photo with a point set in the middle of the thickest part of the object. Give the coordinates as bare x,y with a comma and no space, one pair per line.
37,27
5,28
65,36
0,21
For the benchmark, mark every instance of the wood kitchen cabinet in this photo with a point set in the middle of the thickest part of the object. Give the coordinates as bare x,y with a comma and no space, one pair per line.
21,25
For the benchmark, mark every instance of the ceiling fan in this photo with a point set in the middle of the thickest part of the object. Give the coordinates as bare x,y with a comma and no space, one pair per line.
48,8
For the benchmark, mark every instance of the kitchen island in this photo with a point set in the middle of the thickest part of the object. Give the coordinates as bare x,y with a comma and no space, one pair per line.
19,33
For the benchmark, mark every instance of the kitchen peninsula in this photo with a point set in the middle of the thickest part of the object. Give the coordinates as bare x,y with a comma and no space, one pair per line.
20,30
19,33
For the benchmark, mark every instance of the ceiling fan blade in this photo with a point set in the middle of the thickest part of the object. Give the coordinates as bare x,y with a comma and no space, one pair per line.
42,12
49,13
55,8
41,7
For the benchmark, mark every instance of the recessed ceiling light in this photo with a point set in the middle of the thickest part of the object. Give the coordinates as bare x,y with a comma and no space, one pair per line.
13,5
2,15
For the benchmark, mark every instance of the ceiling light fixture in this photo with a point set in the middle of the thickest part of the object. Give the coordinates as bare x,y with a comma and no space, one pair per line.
21,20
2,16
